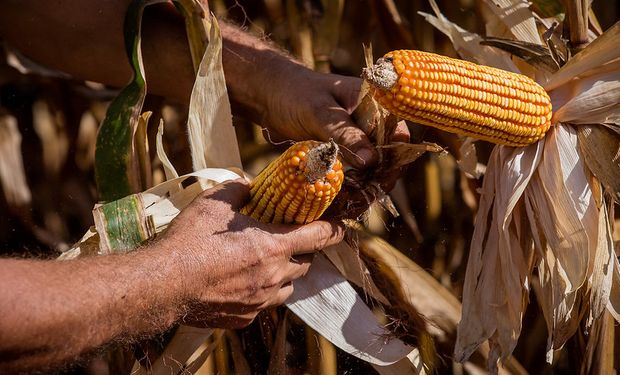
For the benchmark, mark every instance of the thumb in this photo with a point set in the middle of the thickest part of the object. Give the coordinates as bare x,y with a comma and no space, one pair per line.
234,192
310,238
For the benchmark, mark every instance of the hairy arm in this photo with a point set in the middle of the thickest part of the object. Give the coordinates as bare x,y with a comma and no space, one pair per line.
212,267
54,311
85,39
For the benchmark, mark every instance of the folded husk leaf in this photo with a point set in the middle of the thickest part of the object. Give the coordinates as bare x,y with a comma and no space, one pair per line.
325,301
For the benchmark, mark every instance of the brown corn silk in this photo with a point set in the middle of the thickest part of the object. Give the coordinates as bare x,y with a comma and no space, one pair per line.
298,186
461,97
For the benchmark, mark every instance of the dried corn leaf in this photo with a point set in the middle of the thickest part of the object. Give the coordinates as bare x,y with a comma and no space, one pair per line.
468,159
211,134
601,274
601,51
467,44
88,245
401,154
496,282
325,301
418,287
183,345
169,170
534,54
517,17
141,149
592,98
50,128
12,174
353,269
614,297
564,221
600,148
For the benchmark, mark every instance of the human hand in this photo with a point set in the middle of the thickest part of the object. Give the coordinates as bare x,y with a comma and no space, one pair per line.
234,266
304,104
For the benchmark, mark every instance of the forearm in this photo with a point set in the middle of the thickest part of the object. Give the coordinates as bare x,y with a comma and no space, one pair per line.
85,39
53,312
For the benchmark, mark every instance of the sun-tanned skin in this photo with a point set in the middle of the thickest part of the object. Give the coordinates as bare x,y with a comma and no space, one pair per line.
213,266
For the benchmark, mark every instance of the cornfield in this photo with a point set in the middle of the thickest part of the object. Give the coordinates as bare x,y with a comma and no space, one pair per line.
484,257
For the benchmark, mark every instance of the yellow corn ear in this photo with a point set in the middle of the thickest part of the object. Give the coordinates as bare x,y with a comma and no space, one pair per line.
461,97
298,186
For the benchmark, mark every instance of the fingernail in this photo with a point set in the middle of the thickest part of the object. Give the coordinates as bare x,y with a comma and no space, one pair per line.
366,155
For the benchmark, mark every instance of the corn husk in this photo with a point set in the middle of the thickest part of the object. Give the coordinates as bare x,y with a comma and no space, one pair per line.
540,206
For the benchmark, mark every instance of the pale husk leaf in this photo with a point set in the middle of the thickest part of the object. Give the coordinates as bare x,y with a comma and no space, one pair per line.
325,301
593,98
211,134
169,171
614,297
565,209
496,281
563,218
12,174
601,276
517,17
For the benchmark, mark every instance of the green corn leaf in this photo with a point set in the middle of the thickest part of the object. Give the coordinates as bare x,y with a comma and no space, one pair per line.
116,165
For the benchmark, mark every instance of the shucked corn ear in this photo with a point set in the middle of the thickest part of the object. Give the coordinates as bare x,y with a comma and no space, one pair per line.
298,186
461,97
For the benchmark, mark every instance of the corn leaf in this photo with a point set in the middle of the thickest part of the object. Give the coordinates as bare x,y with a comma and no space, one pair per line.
496,281
600,148
601,51
592,98
325,301
117,170
517,17
211,134
564,222
169,171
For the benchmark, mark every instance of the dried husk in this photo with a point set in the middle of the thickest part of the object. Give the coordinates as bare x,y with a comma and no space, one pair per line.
538,207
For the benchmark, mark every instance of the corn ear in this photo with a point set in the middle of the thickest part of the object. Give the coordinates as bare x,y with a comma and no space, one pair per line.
461,97
298,186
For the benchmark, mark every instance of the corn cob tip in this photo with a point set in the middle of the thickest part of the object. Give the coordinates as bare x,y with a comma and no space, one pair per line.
321,160
382,74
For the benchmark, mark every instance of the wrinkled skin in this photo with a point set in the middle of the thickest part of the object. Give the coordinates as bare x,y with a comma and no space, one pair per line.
213,267
256,263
